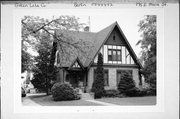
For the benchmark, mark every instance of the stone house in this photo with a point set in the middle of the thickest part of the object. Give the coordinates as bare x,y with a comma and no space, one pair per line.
79,68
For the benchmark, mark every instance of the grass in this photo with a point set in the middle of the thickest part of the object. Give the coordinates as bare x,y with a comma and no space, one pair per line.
134,101
148,100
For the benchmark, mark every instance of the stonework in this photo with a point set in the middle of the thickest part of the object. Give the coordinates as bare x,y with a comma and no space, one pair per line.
113,77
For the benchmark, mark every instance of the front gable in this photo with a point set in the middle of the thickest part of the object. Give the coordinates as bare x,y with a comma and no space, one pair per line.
117,50
115,38
76,65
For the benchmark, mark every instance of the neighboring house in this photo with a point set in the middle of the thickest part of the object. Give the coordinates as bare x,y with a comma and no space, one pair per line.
118,56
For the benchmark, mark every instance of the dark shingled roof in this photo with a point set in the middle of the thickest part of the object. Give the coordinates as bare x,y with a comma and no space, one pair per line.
94,41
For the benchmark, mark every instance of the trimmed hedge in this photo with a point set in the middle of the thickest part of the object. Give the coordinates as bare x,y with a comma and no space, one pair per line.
62,92
136,92
111,93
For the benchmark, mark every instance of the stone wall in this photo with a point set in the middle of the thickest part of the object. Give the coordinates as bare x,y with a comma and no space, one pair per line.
112,77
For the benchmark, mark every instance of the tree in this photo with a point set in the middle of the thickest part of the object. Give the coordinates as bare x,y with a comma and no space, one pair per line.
98,84
26,59
148,46
126,82
39,34
41,78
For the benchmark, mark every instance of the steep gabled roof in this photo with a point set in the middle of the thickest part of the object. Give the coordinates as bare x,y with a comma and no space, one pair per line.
101,36
95,41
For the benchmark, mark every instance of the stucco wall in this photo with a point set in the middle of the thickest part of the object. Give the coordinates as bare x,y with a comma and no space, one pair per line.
112,77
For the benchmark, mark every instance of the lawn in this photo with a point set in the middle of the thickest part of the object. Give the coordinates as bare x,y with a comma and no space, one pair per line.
44,100
48,101
148,100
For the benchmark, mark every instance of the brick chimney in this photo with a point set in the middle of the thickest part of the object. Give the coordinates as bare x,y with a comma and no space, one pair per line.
86,29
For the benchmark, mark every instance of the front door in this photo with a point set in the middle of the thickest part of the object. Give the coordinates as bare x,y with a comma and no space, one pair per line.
76,79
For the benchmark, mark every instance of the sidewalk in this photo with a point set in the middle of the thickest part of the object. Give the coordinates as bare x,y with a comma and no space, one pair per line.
26,101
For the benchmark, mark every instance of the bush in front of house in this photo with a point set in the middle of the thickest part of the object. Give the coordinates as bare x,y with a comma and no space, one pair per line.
133,92
126,83
111,93
64,92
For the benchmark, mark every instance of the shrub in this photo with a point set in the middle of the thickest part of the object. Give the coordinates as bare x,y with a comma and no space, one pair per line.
151,92
111,93
63,92
126,83
98,84
136,92
132,92
23,93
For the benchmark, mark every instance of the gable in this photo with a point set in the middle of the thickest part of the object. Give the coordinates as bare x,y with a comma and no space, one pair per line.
76,64
119,44
115,38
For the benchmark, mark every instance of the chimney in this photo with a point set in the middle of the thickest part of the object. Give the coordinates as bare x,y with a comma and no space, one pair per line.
86,29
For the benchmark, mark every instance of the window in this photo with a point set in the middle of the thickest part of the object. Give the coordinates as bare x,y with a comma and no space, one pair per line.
109,55
106,77
114,55
106,81
114,37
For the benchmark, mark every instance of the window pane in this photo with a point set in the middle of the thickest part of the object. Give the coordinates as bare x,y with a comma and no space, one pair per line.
114,56
118,77
119,55
109,52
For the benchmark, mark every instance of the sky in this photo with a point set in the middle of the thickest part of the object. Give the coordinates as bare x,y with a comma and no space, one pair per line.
128,20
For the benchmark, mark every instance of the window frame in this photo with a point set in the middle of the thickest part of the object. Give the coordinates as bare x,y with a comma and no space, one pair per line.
116,55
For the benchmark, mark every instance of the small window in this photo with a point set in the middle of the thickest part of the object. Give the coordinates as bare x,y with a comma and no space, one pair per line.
106,78
114,37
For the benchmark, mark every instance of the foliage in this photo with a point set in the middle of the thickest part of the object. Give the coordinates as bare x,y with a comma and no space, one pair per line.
132,92
111,93
125,83
41,78
63,92
98,84
148,45
39,35
23,93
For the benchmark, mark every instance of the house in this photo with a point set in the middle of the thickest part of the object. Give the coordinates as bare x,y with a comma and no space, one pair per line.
79,69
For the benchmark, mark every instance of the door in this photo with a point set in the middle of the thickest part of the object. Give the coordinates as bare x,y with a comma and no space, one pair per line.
74,80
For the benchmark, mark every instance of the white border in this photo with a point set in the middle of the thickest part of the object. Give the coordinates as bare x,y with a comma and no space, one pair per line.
18,108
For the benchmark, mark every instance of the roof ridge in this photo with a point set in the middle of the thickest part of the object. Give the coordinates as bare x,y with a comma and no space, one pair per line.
113,24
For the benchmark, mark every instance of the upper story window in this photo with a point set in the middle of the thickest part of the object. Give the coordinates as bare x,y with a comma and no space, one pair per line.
114,55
